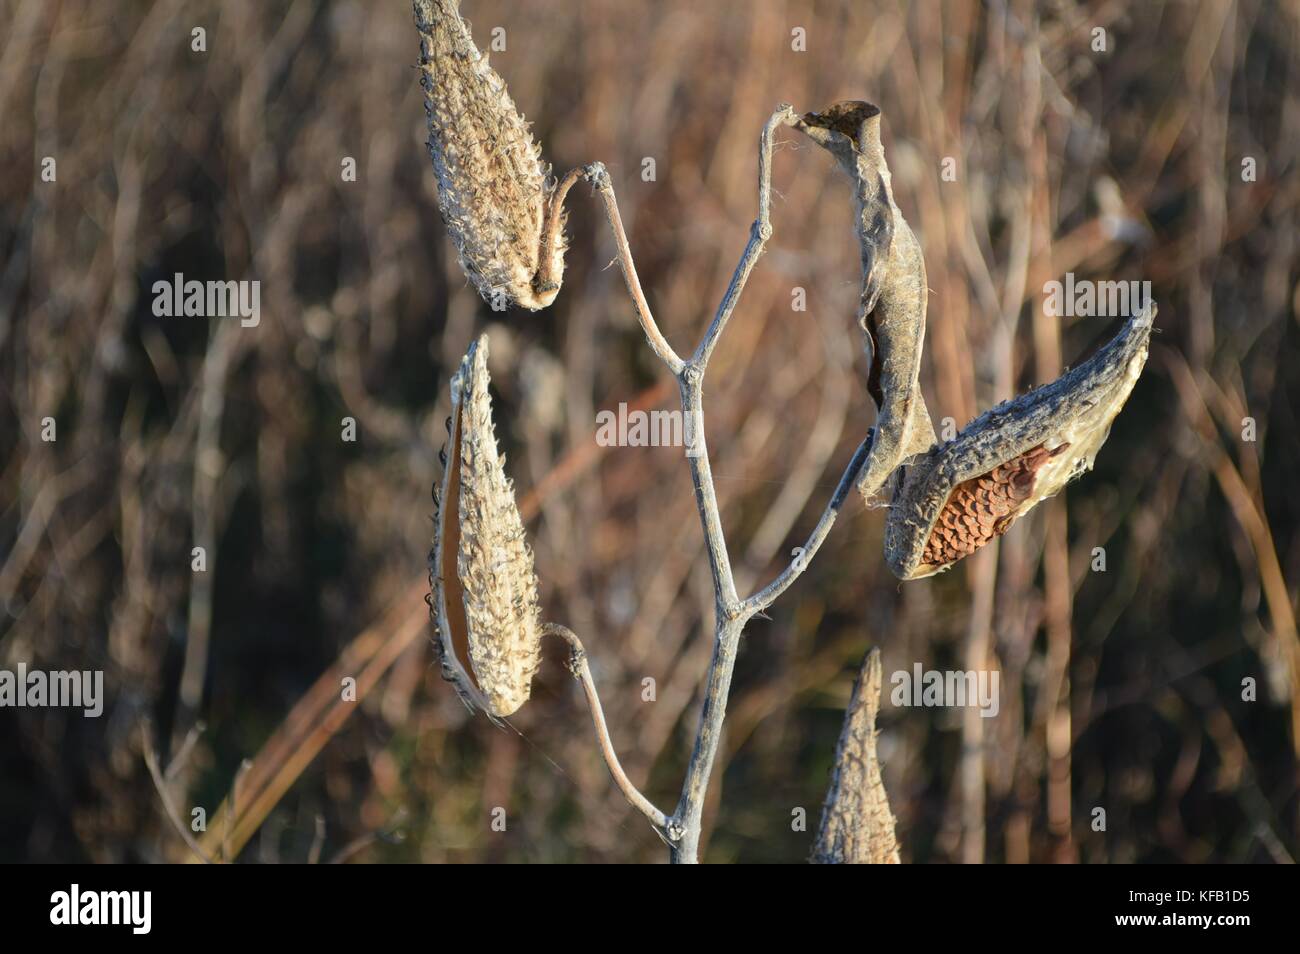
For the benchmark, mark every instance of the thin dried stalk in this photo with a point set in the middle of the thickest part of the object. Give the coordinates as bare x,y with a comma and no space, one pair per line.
581,671
169,806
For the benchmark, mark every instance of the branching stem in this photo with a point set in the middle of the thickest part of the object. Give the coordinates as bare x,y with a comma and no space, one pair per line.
683,827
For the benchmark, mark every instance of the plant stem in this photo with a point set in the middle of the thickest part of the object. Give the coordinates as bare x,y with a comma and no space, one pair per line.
582,672
599,177
759,233
683,828
765,597
706,498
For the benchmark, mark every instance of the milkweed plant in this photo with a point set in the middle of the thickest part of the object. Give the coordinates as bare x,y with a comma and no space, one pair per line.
943,499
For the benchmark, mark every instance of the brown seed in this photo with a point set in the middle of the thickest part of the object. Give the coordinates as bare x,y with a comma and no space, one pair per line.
976,510
1010,458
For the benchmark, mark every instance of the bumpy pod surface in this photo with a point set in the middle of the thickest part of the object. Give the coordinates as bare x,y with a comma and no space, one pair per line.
483,587
493,187
962,494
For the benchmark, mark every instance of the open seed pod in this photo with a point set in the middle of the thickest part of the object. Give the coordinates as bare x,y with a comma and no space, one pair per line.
493,187
962,494
483,596
891,308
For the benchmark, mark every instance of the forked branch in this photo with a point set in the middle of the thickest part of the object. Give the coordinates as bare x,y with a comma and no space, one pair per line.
731,613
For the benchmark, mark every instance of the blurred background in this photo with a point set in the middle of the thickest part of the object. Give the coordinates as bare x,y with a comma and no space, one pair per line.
1122,690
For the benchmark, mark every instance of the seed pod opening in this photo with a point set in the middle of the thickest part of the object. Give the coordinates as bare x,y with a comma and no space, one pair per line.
892,304
960,495
483,596
493,187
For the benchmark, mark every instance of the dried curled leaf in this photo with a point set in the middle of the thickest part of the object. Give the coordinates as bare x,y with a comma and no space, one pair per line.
483,588
891,309
962,494
493,187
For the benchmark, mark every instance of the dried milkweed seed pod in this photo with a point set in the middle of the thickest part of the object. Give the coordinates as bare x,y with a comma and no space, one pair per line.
483,589
493,189
891,310
857,826
962,494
